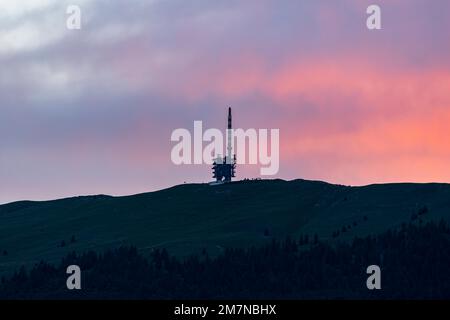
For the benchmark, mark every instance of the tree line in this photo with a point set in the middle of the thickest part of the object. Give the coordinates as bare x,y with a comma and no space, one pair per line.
413,258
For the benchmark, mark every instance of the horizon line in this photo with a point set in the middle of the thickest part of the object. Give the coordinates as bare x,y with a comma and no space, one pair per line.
205,183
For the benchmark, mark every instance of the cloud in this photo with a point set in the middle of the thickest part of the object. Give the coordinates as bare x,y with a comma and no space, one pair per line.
17,9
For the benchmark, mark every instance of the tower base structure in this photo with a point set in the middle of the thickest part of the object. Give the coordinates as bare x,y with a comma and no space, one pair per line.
225,168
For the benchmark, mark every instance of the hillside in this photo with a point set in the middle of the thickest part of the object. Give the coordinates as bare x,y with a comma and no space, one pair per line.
187,218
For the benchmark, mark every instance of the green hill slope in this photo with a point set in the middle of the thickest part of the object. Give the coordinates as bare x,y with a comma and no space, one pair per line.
187,218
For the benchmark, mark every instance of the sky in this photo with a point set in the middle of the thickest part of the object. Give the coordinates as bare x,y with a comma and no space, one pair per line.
91,111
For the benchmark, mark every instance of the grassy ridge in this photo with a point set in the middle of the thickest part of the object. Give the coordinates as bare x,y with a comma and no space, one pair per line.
187,218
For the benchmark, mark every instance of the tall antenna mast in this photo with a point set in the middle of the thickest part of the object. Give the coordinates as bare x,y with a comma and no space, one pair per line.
229,137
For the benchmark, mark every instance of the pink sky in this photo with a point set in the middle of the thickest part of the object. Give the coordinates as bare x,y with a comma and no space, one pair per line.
92,111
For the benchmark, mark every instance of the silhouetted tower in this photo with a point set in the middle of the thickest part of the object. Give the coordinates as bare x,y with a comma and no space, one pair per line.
225,168
229,137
